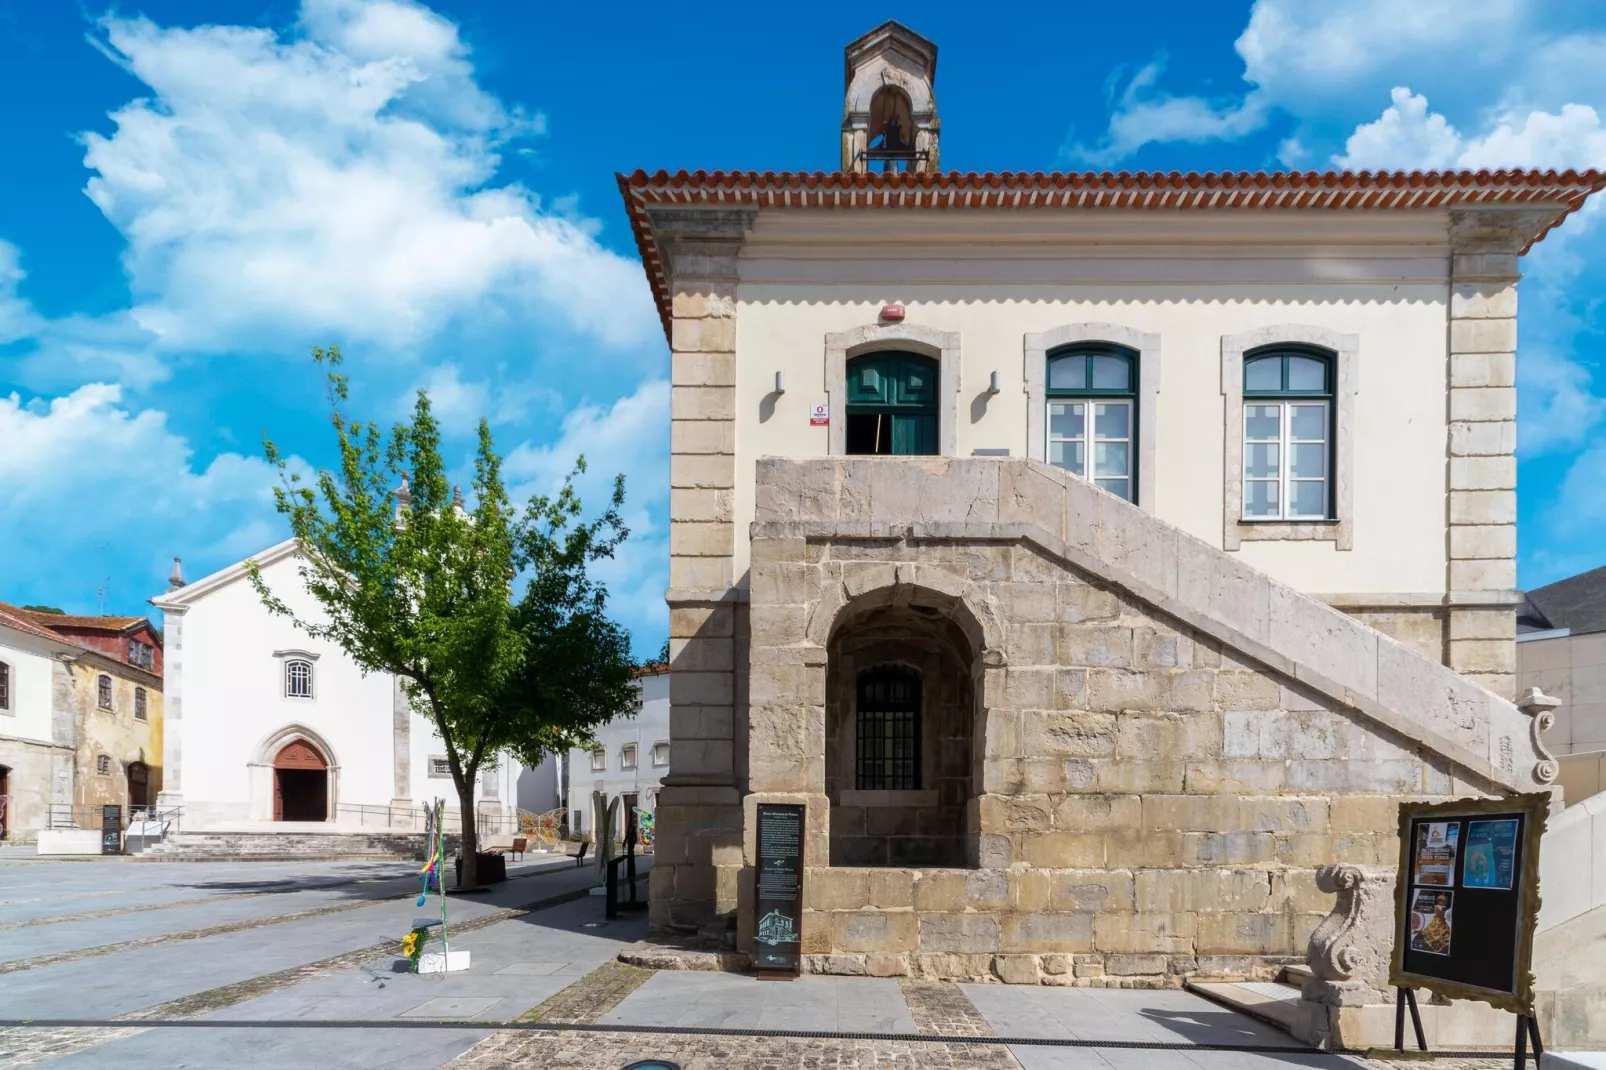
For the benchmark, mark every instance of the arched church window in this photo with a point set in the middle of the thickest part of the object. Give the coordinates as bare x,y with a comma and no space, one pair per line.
892,404
888,729
298,679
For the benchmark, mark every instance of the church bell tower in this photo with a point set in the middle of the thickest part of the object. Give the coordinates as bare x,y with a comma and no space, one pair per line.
890,119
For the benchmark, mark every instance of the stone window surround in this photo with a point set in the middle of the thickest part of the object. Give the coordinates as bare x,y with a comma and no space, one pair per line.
432,768
285,658
942,346
1346,351
1036,348
105,694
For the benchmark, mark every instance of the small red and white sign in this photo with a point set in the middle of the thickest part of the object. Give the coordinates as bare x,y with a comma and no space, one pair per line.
892,313
820,415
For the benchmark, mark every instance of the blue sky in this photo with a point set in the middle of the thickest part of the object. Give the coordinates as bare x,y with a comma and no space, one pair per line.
192,194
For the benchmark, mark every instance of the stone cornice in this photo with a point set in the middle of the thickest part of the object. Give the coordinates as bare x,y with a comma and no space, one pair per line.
1498,228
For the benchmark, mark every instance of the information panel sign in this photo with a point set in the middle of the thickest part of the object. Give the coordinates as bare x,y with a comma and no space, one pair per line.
111,830
778,887
1467,898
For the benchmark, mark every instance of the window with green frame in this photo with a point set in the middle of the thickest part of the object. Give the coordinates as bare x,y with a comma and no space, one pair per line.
1092,416
1288,434
892,404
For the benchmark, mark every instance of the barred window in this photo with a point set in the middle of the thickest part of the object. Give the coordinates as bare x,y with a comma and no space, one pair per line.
888,755
103,765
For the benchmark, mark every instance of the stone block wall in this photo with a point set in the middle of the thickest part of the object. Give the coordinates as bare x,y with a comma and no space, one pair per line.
1167,744
1150,805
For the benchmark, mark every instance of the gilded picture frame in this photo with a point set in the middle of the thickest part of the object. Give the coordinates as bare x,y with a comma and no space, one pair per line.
1535,807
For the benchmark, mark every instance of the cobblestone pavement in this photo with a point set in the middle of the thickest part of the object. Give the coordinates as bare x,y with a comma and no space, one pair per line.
592,996
943,1010
543,1050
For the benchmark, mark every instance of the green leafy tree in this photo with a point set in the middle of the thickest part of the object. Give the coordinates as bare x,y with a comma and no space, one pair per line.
413,582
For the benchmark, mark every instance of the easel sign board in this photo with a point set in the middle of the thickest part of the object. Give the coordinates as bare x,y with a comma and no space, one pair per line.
778,889
1467,899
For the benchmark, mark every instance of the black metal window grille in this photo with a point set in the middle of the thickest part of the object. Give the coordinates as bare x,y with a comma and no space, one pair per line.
888,755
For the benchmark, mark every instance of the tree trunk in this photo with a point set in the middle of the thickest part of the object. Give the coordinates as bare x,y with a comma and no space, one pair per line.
471,834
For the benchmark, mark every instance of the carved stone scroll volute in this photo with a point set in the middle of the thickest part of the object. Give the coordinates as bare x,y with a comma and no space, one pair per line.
1351,945
1542,708
1348,952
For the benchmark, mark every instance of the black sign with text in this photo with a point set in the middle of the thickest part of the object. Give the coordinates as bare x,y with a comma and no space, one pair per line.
111,830
778,884
1468,899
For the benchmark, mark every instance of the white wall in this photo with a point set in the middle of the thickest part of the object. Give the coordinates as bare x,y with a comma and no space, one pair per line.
650,725
1191,279
233,700
29,715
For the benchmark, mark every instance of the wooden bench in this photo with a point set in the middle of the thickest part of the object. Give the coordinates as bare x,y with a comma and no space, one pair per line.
520,845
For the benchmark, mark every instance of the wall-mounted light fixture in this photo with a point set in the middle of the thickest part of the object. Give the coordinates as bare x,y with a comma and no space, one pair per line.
992,384
780,382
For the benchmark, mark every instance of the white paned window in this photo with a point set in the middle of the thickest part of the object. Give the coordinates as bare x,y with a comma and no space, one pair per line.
1288,438
627,756
599,760
660,754
298,679
1091,425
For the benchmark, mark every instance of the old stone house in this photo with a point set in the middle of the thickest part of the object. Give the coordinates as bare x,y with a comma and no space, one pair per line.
80,718
1094,555
117,696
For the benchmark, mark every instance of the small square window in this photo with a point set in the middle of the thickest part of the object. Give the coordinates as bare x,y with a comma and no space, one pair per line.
141,654
440,769
660,755
599,760
627,757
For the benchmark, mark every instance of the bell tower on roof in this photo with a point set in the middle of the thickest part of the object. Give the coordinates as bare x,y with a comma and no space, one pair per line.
890,120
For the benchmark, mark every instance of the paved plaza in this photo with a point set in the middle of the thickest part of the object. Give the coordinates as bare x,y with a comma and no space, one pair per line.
258,965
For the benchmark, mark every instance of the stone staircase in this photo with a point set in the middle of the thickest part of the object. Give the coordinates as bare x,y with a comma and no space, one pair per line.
284,847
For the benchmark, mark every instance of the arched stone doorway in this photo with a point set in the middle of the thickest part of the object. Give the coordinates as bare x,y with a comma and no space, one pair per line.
902,712
139,787
300,783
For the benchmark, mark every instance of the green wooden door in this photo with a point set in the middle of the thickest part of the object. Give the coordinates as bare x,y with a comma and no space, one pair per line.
892,404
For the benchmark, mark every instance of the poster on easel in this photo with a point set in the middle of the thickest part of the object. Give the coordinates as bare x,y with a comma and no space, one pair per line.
1467,899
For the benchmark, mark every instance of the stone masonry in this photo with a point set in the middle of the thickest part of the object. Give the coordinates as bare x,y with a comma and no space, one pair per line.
1166,744
1485,247
699,814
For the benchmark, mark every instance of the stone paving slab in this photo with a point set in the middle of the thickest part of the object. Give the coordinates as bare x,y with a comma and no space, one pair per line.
1120,1015
366,1048
735,1001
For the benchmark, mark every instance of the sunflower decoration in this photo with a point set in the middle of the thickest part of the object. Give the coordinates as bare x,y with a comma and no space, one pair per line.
413,945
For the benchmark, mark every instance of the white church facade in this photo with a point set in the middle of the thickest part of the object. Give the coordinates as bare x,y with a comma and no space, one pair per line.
271,730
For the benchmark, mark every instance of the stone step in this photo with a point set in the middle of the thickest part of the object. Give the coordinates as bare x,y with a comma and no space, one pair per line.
268,846
1296,975
1271,1002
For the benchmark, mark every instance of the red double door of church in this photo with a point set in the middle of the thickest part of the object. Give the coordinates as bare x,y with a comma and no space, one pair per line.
300,784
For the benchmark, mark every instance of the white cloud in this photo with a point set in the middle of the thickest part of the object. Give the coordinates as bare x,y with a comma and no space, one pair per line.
1407,136
1144,114
339,181
631,436
1557,407
1301,54
17,317
83,477
1572,137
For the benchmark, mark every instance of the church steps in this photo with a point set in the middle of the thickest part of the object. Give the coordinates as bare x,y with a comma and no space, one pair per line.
1217,593
270,846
